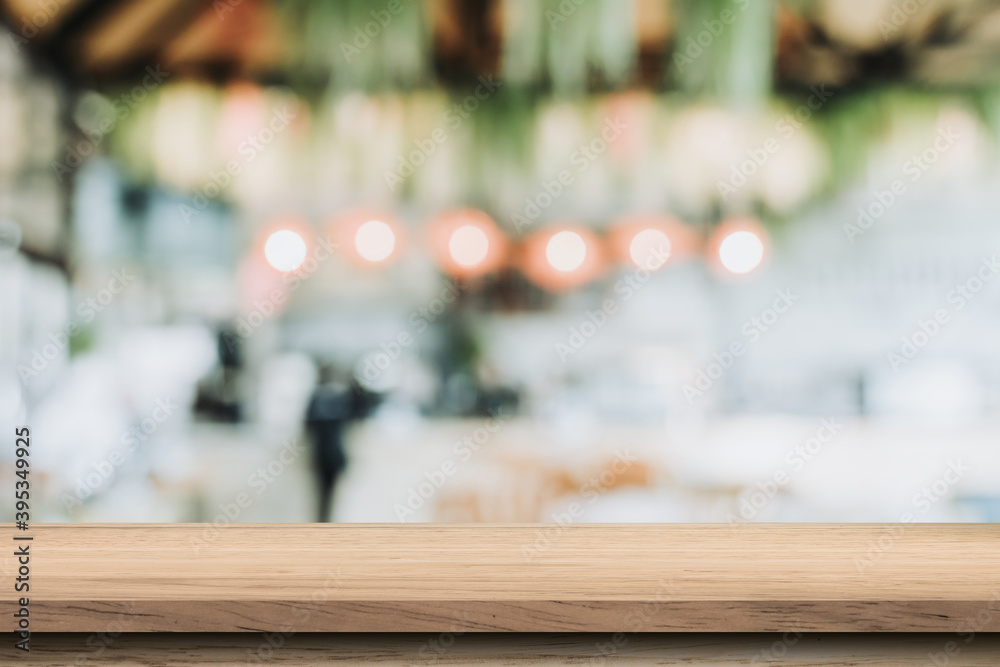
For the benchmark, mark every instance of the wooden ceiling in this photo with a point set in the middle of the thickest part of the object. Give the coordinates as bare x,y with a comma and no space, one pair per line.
844,43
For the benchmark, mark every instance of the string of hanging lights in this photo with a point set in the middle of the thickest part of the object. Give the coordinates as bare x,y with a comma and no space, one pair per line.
467,243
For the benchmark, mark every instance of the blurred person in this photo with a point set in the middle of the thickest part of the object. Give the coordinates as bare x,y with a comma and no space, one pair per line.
332,407
219,394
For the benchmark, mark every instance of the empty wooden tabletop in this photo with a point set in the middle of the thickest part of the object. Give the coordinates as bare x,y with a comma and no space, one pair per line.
519,578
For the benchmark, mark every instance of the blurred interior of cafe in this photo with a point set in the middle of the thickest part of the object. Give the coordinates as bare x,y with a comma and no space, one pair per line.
559,261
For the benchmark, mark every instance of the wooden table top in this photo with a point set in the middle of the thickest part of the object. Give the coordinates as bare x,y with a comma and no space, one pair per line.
521,578
462,650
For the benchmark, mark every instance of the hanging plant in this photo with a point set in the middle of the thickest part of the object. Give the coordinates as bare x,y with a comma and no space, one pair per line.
359,44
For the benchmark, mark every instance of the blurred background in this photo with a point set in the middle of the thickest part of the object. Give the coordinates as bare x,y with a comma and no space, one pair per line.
502,260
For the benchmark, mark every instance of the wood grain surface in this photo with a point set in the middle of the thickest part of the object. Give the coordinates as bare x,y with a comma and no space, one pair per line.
597,650
512,578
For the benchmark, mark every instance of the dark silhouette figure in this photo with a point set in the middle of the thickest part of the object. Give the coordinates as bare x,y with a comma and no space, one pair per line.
332,408
219,396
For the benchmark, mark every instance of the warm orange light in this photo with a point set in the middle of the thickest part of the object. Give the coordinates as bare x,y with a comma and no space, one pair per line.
738,246
285,250
468,246
649,249
562,257
368,238
282,246
375,240
741,252
566,251
652,243
467,243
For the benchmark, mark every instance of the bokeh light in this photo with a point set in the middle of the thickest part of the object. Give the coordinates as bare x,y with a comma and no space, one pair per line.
375,241
285,250
651,242
741,252
469,246
650,249
562,257
467,243
566,251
